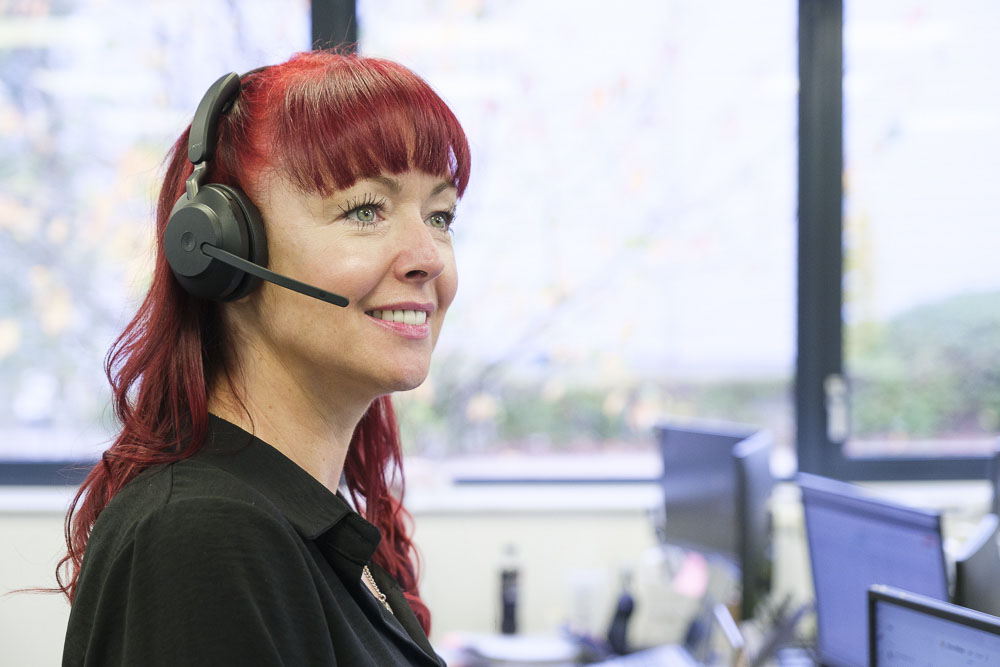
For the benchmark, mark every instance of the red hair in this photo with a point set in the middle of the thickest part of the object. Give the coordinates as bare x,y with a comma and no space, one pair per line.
325,120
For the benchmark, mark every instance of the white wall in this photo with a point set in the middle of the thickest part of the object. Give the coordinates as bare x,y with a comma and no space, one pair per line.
572,543
31,624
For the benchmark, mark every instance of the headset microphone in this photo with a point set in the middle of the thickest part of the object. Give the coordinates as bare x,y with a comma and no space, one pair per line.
214,240
272,277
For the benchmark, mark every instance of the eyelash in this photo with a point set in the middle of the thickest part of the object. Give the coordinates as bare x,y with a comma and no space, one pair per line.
378,203
368,201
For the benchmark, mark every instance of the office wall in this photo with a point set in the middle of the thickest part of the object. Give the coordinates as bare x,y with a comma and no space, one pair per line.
570,563
572,543
31,624
570,550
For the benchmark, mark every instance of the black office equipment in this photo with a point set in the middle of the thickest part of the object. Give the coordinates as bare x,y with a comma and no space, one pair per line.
855,541
618,629
993,475
696,650
906,629
509,575
717,485
754,484
977,569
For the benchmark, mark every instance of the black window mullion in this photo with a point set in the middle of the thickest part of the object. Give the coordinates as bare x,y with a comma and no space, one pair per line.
820,256
334,24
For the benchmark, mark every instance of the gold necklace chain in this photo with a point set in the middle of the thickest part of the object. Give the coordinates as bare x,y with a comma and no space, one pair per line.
375,589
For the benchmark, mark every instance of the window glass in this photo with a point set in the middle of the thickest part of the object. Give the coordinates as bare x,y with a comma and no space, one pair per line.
627,244
922,276
92,95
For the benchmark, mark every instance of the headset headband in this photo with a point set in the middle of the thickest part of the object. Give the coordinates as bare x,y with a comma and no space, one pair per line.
204,127
215,240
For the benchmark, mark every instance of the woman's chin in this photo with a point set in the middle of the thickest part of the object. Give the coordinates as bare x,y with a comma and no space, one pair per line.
409,380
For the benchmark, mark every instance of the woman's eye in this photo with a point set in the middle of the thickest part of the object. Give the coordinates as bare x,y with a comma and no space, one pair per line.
440,220
364,214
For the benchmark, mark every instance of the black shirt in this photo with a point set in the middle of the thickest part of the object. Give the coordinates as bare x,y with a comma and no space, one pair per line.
235,556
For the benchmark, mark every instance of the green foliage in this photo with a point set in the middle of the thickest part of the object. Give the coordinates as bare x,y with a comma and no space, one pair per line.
576,417
932,371
462,411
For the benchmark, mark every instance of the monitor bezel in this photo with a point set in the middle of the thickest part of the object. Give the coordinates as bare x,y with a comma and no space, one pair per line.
937,608
722,438
755,551
825,490
741,449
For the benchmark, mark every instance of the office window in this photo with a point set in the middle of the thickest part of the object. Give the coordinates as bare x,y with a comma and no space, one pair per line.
92,94
627,244
921,304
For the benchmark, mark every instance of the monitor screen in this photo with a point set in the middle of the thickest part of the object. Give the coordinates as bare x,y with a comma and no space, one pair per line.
717,485
905,629
856,541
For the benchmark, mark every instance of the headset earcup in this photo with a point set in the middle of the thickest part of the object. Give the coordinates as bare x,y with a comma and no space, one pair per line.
252,227
212,217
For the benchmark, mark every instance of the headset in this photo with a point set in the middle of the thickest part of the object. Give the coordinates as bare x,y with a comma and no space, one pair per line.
214,240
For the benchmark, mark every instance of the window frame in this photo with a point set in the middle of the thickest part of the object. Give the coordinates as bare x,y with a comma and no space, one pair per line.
820,336
820,260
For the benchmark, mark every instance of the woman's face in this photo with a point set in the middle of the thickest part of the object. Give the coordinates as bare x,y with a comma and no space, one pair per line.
384,244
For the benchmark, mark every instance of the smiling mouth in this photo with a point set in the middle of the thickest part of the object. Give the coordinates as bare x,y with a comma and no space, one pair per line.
401,316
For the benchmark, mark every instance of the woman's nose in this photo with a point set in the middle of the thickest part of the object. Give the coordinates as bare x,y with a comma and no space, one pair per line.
420,257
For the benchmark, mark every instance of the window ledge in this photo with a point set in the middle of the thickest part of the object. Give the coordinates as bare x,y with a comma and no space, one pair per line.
36,499
584,498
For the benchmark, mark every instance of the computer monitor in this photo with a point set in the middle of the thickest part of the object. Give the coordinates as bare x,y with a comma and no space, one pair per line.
977,569
906,629
855,541
717,485
754,483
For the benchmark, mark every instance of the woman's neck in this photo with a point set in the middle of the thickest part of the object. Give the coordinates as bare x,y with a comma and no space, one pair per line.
315,435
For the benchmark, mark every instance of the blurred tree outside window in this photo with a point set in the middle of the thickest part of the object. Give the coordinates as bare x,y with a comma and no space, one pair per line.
626,247
921,214
92,95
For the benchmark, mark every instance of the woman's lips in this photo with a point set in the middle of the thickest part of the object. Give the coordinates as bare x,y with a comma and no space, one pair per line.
404,322
403,316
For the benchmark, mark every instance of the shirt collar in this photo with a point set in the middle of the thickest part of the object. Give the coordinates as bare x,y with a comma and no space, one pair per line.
308,505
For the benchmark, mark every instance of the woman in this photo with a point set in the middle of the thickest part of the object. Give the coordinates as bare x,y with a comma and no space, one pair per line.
212,532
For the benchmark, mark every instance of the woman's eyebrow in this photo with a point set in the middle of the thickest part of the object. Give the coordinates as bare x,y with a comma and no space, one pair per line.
441,187
391,184
395,187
